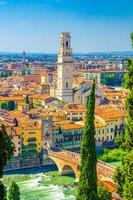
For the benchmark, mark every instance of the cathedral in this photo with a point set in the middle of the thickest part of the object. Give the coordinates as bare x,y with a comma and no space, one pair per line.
63,88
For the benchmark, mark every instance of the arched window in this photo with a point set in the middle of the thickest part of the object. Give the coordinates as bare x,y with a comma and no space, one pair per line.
66,85
67,44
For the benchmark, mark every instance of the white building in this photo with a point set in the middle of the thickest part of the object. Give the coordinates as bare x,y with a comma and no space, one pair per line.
64,89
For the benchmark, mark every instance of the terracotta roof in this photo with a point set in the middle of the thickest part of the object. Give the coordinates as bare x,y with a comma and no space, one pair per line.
109,113
39,96
70,126
12,98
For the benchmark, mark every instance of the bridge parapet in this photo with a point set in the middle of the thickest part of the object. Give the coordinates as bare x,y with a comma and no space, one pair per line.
72,159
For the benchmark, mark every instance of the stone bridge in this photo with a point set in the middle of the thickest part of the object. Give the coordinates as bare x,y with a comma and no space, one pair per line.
69,163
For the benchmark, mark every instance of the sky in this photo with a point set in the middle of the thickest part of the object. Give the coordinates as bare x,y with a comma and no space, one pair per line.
95,25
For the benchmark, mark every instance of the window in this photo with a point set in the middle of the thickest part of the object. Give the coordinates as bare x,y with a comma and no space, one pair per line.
67,85
102,131
67,44
116,127
107,130
111,130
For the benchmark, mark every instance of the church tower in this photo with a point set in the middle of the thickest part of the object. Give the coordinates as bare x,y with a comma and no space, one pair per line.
65,69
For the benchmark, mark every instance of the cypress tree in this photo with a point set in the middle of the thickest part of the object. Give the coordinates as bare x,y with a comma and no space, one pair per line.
132,38
124,174
88,177
27,100
2,191
14,193
6,149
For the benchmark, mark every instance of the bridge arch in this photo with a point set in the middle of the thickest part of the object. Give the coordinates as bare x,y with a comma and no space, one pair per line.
68,170
64,168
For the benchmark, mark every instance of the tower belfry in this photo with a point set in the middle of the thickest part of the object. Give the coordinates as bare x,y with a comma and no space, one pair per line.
65,69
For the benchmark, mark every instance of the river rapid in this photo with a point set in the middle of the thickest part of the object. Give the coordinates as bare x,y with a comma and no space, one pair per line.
43,186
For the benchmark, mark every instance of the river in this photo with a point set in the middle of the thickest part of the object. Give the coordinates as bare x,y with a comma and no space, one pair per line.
39,184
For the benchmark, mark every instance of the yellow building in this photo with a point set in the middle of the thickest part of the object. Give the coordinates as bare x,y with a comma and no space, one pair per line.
22,106
75,112
112,121
32,134
37,99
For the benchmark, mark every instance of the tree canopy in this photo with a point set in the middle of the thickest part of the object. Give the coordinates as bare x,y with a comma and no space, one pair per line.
124,174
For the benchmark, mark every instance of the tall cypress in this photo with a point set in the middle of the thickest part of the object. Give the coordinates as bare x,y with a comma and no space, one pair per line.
14,193
2,191
88,176
124,174
6,149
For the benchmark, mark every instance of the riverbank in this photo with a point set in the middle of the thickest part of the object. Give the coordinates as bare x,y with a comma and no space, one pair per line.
32,170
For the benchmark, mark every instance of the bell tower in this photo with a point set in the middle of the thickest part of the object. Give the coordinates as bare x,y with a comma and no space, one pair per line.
65,69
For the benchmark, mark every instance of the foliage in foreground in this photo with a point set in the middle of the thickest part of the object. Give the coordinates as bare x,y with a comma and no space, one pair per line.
124,177
6,149
88,176
14,193
124,174
112,155
103,193
2,191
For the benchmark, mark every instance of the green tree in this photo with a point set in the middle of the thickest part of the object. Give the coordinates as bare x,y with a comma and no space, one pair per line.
132,38
103,193
11,105
88,176
27,100
124,177
6,149
2,191
14,193
124,174
4,105
1,74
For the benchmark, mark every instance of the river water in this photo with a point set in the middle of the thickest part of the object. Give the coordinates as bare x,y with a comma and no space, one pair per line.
35,184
